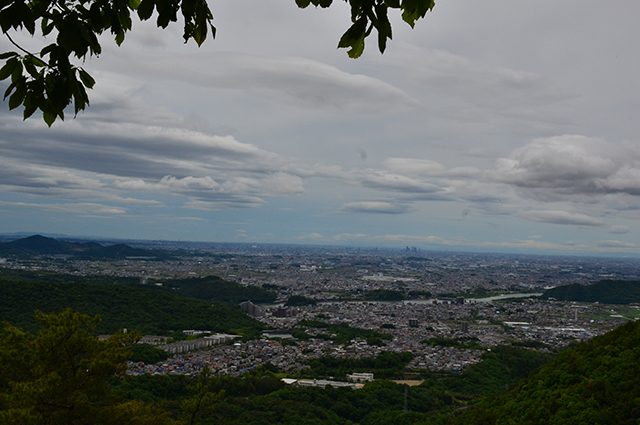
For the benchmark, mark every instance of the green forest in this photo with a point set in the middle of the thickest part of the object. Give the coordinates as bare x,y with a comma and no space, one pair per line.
147,311
595,382
210,288
604,291
216,289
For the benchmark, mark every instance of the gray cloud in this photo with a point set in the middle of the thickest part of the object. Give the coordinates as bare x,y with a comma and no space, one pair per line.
561,217
97,157
508,92
571,167
616,244
291,80
415,165
374,207
395,182
85,208
619,229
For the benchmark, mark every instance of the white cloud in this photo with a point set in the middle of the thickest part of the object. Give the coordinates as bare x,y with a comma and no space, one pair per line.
290,80
374,207
616,244
73,160
501,90
561,217
71,208
394,182
571,167
414,165
619,229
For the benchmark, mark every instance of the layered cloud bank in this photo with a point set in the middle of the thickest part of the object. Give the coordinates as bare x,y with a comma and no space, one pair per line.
268,135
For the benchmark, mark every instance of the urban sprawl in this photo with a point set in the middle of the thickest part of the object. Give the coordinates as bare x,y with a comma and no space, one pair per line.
489,299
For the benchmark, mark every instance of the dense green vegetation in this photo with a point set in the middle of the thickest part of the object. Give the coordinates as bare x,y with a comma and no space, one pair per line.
419,294
62,375
384,366
595,382
215,289
341,333
145,310
500,367
604,291
147,354
54,277
210,288
384,295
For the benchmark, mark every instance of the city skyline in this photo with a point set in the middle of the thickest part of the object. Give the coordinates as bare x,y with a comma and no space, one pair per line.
495,127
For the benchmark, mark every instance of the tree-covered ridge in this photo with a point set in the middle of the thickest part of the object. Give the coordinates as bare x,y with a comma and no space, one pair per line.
145,310
17,275
500,368
215,289
210,288
41,245
595,382
604,291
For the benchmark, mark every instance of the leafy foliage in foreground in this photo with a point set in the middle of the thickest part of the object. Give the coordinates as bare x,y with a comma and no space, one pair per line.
48,81
61,375
145,310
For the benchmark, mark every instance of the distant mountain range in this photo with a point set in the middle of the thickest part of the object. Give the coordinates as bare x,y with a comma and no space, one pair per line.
604,291
38,245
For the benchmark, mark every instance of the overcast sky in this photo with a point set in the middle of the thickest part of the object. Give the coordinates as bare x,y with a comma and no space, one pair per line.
501,125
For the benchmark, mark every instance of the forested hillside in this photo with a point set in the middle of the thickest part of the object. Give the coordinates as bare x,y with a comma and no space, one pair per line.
210,288
215,289
595,382
604,291
145,310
